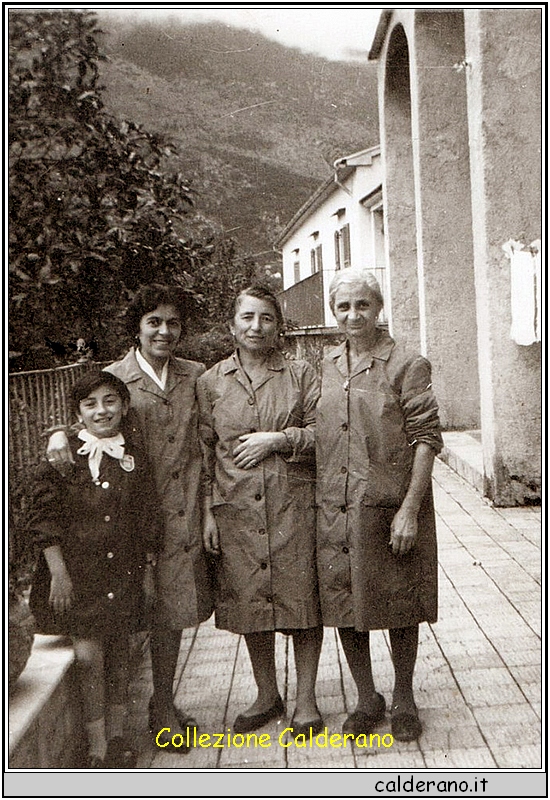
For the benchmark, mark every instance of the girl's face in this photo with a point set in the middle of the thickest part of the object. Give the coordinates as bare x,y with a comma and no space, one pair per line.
254,325
159,333
102,412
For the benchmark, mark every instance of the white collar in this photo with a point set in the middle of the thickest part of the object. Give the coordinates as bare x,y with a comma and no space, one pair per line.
148,369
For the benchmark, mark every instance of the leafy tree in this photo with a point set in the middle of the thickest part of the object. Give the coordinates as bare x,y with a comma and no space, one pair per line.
93,212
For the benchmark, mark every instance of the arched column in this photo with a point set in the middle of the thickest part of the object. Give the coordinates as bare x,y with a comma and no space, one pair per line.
446,285
399,195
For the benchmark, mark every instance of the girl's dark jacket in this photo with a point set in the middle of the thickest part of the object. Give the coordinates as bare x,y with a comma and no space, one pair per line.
104,529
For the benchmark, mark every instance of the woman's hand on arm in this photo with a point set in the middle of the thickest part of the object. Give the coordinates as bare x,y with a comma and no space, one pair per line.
404,527
254,447
58,451
61,585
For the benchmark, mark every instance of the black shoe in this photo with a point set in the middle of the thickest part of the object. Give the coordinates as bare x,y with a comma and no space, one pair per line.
406,727
119,755
245,724
361,722
314,726
160,718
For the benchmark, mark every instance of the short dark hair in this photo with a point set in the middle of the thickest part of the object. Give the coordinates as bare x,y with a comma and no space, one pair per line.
147,298
262,292
91,381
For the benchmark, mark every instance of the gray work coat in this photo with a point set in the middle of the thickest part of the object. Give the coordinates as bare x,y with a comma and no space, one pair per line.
265,515
169,423
368,423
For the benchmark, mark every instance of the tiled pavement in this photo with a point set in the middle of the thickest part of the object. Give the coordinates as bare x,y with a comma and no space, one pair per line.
478,676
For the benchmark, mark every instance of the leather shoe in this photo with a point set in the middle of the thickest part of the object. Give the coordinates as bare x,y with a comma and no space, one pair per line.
185,720
160,718
245,724
118,755
361,722
315,725
405,727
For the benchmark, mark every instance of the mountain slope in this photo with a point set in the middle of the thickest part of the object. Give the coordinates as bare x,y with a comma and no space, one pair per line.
258,125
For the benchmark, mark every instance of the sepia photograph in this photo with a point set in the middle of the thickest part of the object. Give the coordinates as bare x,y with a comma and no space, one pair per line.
275,435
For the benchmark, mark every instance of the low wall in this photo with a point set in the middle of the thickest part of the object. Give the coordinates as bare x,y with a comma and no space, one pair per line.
45,720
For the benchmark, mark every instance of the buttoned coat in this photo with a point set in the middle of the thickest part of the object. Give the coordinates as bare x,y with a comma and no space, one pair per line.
169,423
104,529
265,515
368,423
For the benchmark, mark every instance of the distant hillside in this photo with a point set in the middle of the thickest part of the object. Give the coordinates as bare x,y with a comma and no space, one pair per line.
258,125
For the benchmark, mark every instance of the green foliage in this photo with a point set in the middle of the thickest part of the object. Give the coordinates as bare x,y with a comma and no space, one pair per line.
93,211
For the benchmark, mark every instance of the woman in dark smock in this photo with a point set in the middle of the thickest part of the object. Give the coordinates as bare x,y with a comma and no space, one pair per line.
257,413
377,434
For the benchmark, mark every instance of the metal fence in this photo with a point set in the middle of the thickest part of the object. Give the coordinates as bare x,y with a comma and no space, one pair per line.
37,400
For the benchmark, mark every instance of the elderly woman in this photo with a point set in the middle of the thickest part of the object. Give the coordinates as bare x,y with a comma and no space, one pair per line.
163,399
377,434
257,422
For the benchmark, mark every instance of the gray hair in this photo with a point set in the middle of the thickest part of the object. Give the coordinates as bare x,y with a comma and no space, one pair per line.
347,276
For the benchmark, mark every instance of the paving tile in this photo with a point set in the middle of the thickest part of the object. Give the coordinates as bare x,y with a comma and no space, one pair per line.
454,737
492,686
530,673
518,757
518,651
472,758
390,759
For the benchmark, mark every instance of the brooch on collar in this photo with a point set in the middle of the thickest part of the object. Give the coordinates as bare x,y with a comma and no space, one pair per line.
127,463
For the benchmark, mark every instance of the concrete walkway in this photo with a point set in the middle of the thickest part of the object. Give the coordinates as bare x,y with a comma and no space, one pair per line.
478,677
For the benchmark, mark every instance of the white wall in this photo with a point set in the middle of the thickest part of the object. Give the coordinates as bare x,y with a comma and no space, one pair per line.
363,246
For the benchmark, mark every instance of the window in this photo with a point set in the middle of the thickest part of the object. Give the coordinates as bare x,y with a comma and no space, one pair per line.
342,248
316,259
296,254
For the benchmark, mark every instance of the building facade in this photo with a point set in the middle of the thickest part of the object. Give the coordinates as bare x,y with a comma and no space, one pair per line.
340,226
460,126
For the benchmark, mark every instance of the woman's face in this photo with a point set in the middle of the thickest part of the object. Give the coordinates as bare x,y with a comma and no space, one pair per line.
101,412
254,325
356,310
159,333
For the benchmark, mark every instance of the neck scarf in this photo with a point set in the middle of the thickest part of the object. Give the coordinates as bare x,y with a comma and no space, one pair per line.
94,448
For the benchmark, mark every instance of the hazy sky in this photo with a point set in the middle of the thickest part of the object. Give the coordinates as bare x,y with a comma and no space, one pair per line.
335,32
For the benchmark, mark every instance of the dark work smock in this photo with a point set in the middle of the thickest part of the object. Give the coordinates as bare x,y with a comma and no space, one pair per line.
104,529
265,515
368,423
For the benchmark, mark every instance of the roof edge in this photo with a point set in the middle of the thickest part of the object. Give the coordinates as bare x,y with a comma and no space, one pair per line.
324,191
341,173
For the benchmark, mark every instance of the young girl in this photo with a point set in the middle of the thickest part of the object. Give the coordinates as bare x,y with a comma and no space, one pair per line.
96,529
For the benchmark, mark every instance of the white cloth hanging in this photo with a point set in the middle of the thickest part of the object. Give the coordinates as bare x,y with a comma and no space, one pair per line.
525,294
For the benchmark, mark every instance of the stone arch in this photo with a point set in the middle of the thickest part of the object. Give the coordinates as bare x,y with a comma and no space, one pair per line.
399,198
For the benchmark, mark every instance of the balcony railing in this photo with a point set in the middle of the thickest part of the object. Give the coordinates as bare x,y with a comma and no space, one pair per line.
303,303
